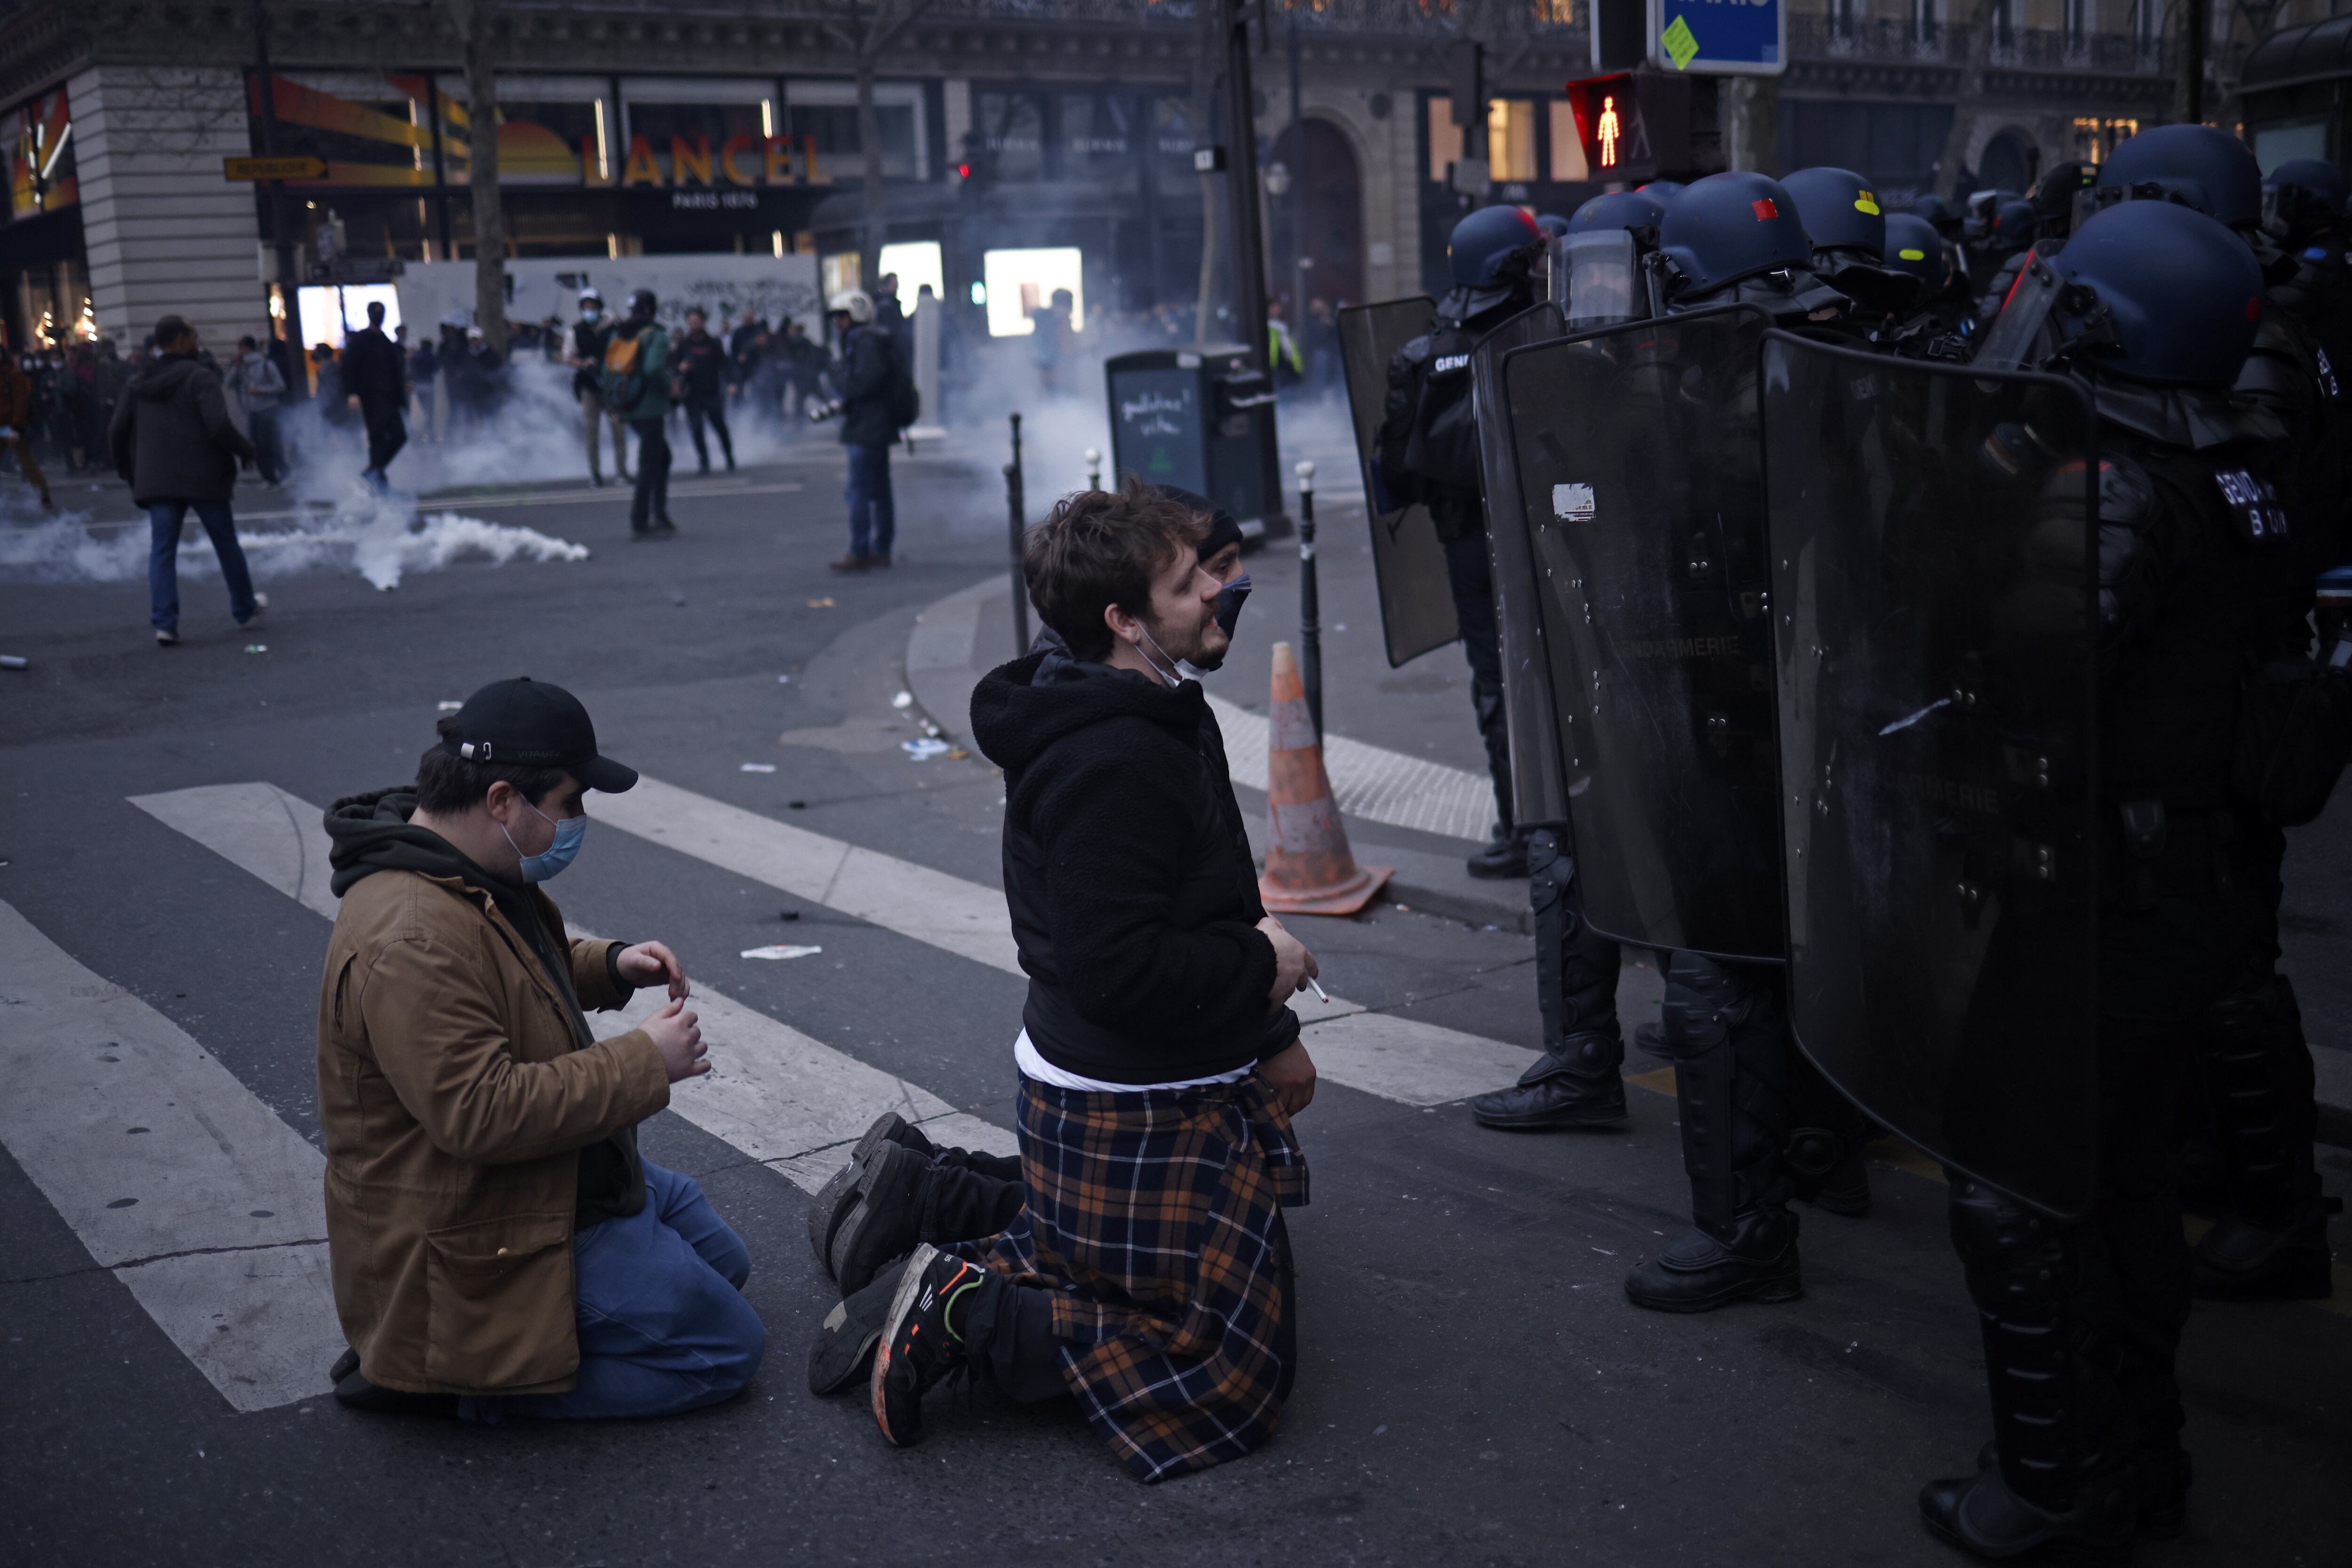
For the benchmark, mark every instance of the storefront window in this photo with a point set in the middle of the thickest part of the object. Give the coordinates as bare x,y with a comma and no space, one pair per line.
42,172
828,111
552,131
688,133
1012,126
1097,135
371,129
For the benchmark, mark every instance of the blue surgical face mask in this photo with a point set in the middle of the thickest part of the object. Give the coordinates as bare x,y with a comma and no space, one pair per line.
1229,602
570,833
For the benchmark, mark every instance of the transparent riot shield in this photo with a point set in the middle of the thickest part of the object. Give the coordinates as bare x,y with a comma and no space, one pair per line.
1416,602
1933,541
1531,718
1639,471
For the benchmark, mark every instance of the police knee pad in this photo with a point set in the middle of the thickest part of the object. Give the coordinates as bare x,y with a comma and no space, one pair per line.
1814,1152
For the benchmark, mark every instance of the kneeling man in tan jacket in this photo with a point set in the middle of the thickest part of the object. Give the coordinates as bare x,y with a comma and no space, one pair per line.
499,1247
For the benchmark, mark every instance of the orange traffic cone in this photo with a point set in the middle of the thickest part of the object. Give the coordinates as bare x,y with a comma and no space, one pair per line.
1310,869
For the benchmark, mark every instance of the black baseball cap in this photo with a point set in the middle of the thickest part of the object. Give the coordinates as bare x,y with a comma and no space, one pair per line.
532,724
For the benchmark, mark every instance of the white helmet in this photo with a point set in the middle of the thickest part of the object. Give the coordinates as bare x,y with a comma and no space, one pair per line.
855,303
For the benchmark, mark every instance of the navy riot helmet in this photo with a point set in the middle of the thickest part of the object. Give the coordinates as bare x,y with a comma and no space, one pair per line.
2013,223
1839,210
1936,211
2302,199
1618,209
1914,247
2322,179
1733,226
2160,292
1492,245
2197,167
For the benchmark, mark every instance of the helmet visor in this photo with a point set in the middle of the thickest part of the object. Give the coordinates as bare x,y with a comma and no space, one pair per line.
1603,282
2023,335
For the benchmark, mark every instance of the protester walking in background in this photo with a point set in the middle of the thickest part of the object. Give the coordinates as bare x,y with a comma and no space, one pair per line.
875,403
589,335
636,389
375,374
173,439
16,425
258,390
701,388
423,374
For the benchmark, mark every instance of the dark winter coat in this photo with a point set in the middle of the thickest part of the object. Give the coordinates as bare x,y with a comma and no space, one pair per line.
871,369
1127,872
171,436
374,373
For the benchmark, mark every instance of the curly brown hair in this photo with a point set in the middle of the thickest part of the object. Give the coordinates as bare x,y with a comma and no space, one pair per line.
1099,547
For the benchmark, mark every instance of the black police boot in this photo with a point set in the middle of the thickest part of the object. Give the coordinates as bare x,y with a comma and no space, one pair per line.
1576,1085
1981,1515
1506,855
1700,1271
2240,1261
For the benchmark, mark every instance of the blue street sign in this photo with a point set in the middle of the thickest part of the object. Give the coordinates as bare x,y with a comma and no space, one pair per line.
1719,37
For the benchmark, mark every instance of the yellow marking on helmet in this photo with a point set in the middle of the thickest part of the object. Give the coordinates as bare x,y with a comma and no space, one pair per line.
1866,202
1907,253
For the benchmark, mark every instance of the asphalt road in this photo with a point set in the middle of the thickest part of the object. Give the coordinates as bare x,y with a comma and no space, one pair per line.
1474,1389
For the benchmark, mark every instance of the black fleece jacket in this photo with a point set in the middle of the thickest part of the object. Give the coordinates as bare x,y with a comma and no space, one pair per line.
1127,871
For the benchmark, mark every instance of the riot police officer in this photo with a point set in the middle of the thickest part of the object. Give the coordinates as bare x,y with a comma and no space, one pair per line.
2251,1078
1759,1125
2152,307
1598,279
1429,453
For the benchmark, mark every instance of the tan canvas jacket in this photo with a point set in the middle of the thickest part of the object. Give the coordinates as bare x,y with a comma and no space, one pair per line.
454,1097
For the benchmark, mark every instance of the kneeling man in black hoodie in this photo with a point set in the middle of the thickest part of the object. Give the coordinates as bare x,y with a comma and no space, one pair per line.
1149,1271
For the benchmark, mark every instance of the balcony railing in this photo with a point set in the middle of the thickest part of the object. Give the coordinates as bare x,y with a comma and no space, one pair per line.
1818,37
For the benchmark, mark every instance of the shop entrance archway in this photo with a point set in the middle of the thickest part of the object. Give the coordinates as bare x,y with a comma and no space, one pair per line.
1328,191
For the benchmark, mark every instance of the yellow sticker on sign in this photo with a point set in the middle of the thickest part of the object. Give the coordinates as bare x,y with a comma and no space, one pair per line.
1866,202
1682,44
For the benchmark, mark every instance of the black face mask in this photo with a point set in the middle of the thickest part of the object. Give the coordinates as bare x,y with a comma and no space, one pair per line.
1229,602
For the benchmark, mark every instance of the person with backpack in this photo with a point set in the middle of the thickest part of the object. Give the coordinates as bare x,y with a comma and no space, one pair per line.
636,390
877,400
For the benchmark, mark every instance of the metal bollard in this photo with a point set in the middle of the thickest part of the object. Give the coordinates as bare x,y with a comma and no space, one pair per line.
1094,469
1310,602
1015,505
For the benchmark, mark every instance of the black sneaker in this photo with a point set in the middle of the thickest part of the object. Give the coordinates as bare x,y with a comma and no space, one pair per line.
884,1221
844,1343
836,1198
919,1344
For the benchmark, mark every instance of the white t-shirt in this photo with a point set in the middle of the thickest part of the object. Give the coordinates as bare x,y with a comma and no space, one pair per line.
1036,1069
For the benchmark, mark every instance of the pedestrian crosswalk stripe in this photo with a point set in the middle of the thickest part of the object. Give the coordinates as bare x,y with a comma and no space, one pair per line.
193,1193
1398,1059
774,1093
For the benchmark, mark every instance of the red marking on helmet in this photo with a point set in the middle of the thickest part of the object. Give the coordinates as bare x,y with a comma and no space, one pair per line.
1765,211
2253,307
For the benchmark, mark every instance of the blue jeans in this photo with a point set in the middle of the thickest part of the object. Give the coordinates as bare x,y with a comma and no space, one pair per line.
873,516
164,521
662,1320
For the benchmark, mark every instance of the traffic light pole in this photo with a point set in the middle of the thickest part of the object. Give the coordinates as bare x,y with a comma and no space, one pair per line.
1242,185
